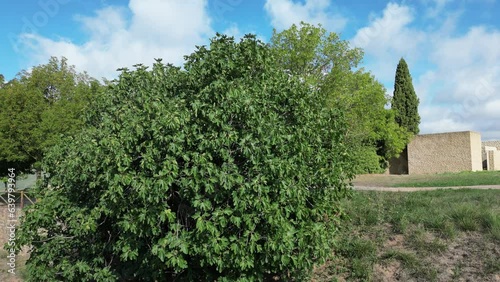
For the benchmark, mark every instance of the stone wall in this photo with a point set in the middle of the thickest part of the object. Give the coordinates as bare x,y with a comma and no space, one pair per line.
475,147
445,152
492,162
490,146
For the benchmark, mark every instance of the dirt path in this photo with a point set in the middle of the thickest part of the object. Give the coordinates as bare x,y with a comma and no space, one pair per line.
413,189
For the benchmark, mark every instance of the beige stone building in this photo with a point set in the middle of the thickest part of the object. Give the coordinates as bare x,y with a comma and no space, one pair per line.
445,152
491,155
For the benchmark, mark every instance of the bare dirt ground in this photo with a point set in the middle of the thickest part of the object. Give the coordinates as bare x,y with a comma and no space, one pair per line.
462,260
20,259
466,258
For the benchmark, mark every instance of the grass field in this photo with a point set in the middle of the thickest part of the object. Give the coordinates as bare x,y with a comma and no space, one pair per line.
445,235
430,180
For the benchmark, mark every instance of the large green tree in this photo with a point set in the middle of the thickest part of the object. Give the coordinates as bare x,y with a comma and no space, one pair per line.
329,64
228,169
40,106
405,101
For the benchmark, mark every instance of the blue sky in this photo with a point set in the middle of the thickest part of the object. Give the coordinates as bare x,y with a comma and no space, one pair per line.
452,46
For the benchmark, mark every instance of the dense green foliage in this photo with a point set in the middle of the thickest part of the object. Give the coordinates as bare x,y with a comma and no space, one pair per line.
228,169
329,64
38,107
405,101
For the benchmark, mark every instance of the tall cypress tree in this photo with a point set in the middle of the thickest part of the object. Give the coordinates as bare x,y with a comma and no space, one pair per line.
405,101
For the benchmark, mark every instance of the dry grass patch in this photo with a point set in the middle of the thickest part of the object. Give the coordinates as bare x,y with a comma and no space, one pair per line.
446,235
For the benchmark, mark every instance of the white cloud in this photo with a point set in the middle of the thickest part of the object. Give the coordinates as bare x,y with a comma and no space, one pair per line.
238,34
479,45
105,23
389,37
437,8
460,86
172,20
284,13
492,109
154,29
385,32
233,31
441,119
468,73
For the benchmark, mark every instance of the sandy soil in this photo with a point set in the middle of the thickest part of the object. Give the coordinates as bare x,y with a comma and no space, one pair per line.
4,236
463,260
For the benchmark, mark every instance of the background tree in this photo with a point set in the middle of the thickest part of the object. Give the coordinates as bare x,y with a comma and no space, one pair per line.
228,169
329,64
40,106
405,101
21,113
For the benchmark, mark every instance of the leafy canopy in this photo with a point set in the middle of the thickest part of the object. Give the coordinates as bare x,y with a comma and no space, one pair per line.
330,65
227,169
38,107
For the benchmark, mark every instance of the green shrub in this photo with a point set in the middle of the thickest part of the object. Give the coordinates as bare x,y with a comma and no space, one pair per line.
228,169
365,159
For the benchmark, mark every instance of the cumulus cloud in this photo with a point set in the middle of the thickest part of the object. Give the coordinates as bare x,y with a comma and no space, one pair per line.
468,75
478,45
456,75
152,29
234,31
460,85
435,7
389,37
284,13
